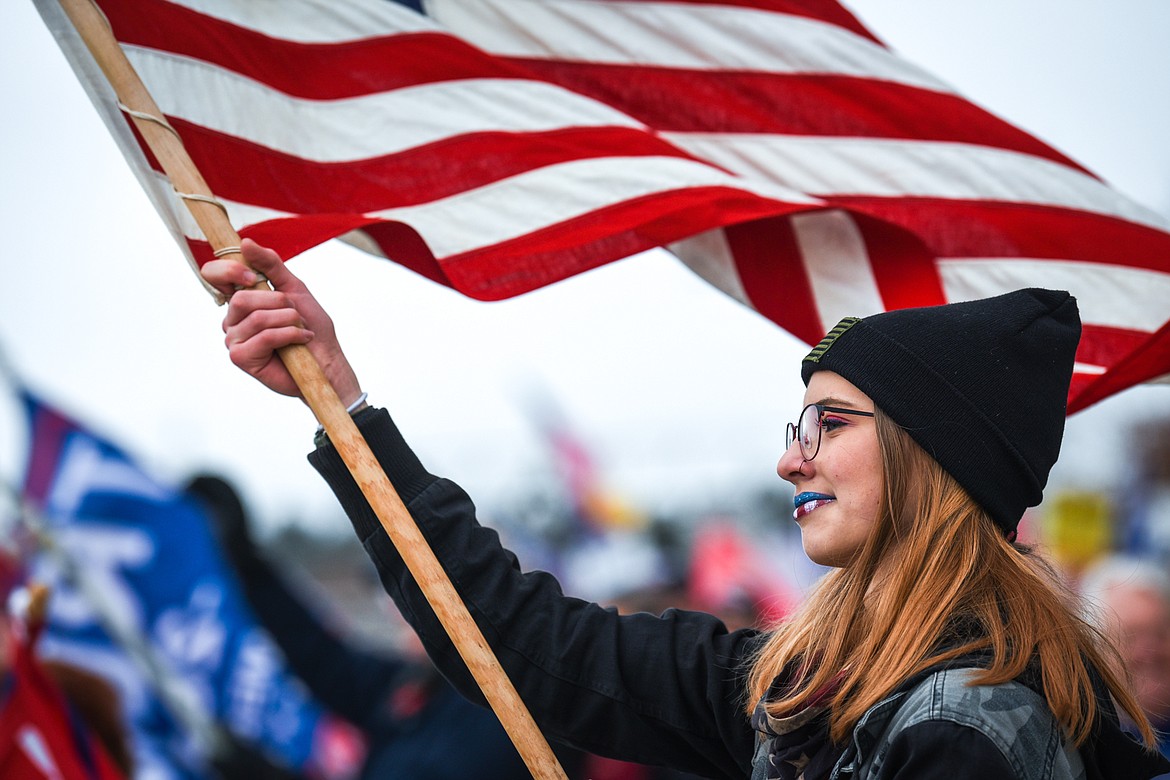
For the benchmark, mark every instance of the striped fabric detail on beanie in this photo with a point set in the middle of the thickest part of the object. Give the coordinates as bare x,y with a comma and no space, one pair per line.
830,338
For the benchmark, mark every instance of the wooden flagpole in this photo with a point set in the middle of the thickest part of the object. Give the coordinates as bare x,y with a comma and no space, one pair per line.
168,148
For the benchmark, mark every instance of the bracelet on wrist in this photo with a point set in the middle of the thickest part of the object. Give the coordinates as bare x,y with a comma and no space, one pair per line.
358,404
353,408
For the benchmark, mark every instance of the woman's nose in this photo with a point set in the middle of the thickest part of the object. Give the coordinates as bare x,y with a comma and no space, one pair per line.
791,466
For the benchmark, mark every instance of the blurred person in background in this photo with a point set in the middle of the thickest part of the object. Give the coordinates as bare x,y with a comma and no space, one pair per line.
1130,600
413,724
938,647
1144,496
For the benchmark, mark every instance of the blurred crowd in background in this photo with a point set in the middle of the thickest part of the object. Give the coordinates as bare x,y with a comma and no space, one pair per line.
173,640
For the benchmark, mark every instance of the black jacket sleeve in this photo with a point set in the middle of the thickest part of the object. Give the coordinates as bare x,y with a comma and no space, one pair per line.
665,690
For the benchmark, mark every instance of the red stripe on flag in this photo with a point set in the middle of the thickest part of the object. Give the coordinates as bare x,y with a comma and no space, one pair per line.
965,228
535,259
1101,345
768,261
795,104
1149,359
602,235
294,235
289,236
902,265
319,71
270,178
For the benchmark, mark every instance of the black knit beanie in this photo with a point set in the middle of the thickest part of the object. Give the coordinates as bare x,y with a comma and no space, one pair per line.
982,386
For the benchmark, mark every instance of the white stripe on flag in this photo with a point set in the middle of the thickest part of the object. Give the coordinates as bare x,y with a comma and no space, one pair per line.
357,128
239,214
895,168
709,256
673,35
316,21
518,205
1110,295
838,267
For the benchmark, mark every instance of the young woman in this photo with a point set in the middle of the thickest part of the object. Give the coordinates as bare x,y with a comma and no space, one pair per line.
938,648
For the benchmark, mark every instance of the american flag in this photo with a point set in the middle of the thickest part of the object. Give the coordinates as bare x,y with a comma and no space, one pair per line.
777,147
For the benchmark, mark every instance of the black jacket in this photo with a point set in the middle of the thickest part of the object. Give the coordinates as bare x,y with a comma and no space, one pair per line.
662,690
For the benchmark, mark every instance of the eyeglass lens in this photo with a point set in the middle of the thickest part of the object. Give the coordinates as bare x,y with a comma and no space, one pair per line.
809,431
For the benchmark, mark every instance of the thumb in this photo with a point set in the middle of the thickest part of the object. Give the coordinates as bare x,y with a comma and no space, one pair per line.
268,262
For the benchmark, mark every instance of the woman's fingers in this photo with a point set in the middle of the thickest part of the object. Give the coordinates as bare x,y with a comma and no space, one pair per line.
261,321
254,342
227,276
246,323
256,352
245,303
258,357
258,323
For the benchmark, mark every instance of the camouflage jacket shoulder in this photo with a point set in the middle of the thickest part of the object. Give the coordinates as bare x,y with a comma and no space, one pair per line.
1002,728
1014,718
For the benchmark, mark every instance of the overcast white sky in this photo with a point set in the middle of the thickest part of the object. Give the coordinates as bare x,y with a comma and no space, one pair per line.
681,393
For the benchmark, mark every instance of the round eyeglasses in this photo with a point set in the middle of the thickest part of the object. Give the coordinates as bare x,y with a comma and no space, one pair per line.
807,430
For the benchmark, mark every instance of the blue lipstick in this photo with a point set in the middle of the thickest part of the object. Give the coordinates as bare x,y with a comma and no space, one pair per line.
806,502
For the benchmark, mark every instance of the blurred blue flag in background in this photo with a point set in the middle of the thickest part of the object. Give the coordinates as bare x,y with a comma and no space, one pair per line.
146,565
